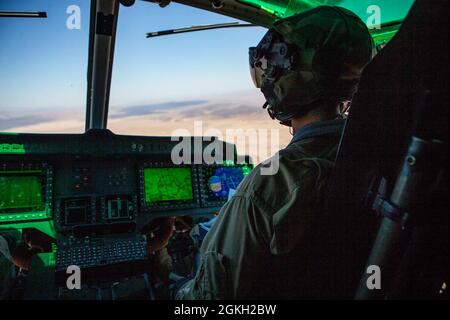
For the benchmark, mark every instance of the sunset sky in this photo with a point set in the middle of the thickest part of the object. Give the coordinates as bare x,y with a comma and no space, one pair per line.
158,85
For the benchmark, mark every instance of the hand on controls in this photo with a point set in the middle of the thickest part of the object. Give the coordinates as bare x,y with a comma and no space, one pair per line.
159,232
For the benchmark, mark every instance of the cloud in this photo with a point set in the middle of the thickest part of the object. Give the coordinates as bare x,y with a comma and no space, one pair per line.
21,121
154,108
221,111
232,111
236,111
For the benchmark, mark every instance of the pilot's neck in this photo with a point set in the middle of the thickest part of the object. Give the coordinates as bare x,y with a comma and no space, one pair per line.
315,115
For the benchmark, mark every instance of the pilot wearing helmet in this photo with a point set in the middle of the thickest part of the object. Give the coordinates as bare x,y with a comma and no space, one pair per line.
308,67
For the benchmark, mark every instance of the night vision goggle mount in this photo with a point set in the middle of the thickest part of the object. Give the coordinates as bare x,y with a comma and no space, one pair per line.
268,61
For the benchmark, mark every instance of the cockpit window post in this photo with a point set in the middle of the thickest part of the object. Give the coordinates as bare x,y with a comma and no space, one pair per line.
102,32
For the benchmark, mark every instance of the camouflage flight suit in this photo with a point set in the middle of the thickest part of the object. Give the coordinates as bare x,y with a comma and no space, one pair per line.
258,246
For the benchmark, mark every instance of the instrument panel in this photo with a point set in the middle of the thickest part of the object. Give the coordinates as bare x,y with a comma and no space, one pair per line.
107,182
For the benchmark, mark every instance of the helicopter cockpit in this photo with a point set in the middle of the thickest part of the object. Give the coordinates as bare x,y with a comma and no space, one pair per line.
87,199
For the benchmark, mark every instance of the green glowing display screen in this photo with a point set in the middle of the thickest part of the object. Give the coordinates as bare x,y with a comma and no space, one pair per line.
167,184
20,192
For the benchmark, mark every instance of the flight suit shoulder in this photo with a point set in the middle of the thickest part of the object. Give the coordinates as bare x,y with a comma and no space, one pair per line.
275,181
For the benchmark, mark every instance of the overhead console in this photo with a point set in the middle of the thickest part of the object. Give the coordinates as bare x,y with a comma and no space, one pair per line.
100,182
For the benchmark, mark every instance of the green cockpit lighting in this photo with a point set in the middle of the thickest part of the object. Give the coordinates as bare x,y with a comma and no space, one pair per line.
246,167
22,196
383,17
282,8
167,184
9,133
12,148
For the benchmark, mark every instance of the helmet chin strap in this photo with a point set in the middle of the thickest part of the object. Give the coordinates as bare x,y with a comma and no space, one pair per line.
343,109
269,110
273,117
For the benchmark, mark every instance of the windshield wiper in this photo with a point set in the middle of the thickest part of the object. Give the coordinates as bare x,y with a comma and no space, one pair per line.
17,14
199,28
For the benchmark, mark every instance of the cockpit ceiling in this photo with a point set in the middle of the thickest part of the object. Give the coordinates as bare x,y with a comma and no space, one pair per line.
264,12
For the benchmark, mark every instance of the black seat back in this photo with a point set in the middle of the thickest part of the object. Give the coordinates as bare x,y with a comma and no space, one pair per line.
408,77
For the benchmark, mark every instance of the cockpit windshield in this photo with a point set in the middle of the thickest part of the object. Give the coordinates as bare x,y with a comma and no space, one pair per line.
194,81
190,84
43,64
